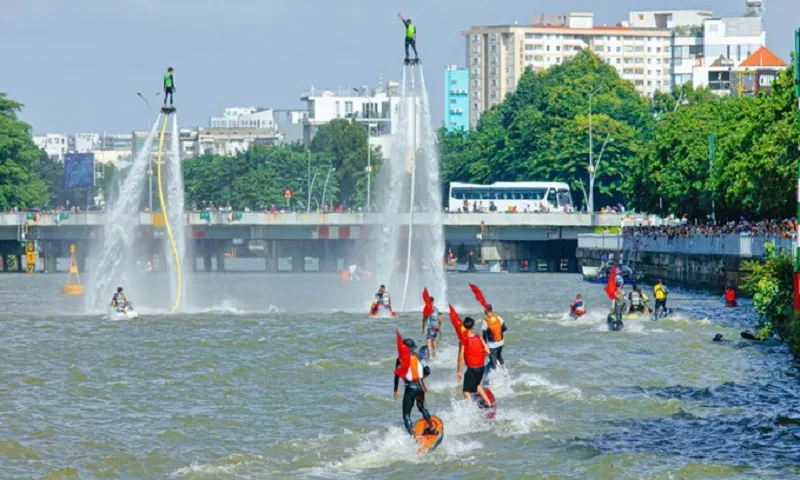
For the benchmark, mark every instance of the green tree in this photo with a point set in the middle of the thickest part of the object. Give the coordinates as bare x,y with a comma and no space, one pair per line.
344,142
19,187
541,131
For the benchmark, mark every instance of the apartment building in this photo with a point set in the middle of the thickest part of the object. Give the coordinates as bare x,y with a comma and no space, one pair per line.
456,98
244,117
374,108
498,55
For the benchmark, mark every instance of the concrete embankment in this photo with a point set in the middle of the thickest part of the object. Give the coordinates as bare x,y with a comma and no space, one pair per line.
702,262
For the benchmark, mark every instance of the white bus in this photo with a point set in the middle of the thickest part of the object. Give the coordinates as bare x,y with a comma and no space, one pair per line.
510,197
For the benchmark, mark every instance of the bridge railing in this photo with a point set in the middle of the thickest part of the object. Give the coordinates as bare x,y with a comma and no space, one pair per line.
739,245
496,219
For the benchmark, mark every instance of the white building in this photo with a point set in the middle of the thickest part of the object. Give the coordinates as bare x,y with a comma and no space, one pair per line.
244,117
188,142
55,144
289,124
498,55
687,37
375,109
230,141
727,43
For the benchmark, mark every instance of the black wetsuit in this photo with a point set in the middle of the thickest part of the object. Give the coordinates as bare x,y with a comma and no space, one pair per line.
414,392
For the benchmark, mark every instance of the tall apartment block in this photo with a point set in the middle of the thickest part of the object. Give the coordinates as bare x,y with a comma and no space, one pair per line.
456,98
498,55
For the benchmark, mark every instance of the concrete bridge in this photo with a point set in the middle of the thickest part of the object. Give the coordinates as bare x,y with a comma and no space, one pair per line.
329,237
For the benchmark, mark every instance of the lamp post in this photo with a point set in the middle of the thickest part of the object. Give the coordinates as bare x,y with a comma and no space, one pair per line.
149,160
797,95
591,155
593,167
325,186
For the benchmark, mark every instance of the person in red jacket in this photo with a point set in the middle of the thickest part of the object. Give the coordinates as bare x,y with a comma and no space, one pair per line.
730,296
473,353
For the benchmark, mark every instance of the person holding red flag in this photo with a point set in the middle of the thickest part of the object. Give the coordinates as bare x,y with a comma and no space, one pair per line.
493,329
413,371
432,319
474,352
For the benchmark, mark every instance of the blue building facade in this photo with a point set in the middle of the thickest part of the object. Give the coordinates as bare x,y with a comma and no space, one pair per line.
456,98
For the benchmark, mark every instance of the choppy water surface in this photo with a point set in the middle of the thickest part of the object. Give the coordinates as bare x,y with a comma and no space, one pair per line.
282,376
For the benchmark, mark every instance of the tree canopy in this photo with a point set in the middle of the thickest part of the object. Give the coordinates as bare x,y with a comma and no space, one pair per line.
19,186
540,132
657,156
334,166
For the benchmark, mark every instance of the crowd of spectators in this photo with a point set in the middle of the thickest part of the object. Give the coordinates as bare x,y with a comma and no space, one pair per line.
783,229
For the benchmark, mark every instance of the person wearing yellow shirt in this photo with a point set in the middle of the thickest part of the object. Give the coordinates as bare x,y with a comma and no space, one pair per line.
660,292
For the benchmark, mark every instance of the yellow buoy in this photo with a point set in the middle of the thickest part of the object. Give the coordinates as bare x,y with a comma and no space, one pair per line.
71,288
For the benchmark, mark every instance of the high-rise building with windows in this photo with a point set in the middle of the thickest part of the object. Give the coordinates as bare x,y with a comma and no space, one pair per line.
456,98
498,55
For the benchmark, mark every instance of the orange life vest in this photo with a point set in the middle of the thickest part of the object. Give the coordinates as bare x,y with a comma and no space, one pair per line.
495,328
412,374
474,355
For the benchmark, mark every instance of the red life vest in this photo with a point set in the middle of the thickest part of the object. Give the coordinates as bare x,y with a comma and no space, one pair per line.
730,295
474,355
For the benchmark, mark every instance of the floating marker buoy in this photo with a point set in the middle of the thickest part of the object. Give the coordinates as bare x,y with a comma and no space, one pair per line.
72,288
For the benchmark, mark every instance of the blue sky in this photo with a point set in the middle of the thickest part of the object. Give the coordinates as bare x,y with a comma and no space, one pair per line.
77,64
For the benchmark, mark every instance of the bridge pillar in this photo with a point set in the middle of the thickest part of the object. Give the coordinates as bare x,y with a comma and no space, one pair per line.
207,265
471,262
220,254
48,255
20,258
513,266
298,262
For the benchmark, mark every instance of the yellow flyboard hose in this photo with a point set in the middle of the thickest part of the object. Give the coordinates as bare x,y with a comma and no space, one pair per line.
166,216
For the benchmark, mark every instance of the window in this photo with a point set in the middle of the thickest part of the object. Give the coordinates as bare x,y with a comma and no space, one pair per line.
493,49
638,49
453,100
558,48
348,107
619,49
548,48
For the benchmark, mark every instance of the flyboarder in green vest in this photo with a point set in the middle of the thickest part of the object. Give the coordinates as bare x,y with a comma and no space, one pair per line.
411,38
169,89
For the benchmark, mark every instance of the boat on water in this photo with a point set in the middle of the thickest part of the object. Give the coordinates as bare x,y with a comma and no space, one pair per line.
123,313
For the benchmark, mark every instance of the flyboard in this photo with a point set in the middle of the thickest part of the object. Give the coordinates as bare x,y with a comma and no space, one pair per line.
428,441
127,313
382,312
613,324
411,61
167,110
489,410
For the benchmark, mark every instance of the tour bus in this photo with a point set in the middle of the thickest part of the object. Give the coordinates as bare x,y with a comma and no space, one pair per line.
511,197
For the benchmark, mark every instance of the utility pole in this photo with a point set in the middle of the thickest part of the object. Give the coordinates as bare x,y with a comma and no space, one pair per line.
591,156
797,234
712,150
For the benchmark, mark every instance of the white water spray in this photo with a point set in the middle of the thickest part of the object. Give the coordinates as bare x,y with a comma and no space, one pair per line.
115,265
176,212
411,194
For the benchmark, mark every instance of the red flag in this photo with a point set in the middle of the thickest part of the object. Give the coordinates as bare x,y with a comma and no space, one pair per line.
428,310
611,286
458,325
478,295
405,356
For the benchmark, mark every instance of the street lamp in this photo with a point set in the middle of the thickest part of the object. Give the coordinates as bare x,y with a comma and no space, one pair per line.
591,155
327,177
370,126
593,167
149,160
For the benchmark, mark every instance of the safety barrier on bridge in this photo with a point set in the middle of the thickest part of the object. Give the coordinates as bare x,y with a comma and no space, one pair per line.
329,219
739,245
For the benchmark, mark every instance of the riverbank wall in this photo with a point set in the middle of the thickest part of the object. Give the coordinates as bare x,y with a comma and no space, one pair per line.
698,262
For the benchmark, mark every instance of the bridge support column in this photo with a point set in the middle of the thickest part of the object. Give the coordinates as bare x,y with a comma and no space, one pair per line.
513,266
48,255
552,265
207,264
220,254
20,259
573,265
298,262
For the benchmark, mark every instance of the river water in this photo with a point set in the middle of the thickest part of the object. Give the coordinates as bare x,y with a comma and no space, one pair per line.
284,376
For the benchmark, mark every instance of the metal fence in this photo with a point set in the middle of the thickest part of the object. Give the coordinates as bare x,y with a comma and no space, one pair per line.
739,245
